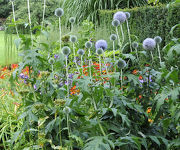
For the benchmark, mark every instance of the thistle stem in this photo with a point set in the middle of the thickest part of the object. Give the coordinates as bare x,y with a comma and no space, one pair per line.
14,17
29,14
68,128
89,55
122,33
119,42
44,9
137,54
114,51
129,35
60,33
152,56
105,64
159,53
52,68
82,63
100,64
67,77
121,78
75,59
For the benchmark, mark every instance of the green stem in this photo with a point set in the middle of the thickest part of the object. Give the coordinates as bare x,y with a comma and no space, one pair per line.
68,127
159,53
105,64
82,64
129,35
44,9
29,14
152,56
100,64
121,78
60,33
14,17
137,54
75,58
67,77
119,42
122,33
89,55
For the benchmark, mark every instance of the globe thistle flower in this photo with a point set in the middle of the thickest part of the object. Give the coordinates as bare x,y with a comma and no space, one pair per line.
113,37
80,52
101,44
88,44
121,16
128,15
135,45
59,12
67,110
73,38
72,20
99,51
115,23
51,61
149,44
121,64
158,39
66,50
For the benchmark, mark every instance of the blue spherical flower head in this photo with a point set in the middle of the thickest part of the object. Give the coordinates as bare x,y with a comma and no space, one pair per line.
72,20
67,110
121,64
128,15
59,12
51,61
73,38
99,51
101,44
135,45
66,50
121,16
115,23
149,44
113,37
88,44
80,52
158,39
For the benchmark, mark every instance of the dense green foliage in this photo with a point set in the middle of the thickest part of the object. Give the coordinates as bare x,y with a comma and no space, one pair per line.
147,21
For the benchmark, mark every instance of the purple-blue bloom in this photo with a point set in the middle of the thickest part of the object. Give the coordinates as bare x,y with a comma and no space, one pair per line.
22,76
149,44
35,87
121,16
56,56
101,44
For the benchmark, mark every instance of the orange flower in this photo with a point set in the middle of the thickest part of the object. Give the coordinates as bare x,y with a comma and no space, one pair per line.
125,78
148,110
150,120
14,66
5,68
140,77
147,65
135,72
2,76
73,90
140,96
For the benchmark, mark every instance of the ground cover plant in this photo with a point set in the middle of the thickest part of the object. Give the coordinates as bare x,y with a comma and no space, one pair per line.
75,92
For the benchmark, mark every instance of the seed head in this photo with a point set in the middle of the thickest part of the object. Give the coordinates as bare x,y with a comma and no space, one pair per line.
99,51
80,52
51,61
101,44
115,23
149,44
72,20
128,15
158,39
67,110
59,12
135,44
121,16
121,64
88,44
66,50
73,38
113,37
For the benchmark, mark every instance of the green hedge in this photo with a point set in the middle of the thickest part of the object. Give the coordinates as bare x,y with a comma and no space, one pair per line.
148,21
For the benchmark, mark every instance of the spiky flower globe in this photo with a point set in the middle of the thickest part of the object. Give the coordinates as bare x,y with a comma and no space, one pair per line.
80,52
99,51
101,44
113,37
88,44
158,39
121,64
149,44
51,61
128,15
135,45
59,12
73,38
67,110
121,16
72,20
66,50
115,23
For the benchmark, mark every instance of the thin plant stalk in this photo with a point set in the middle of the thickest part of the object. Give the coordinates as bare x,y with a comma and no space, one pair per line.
89,55
60,32
44,10
121,78
68,128
137,54
82,63
105,64
60,130
152,56
67,78
129,35
119,41
122,33
14,17
75,58
72,27
100,64
52,68
29,14
114,52
159,53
